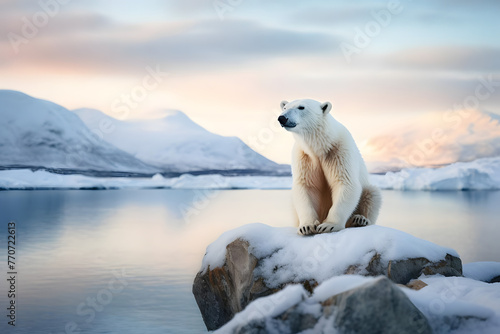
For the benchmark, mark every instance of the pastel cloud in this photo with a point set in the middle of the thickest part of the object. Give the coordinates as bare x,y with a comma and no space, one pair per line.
482,59
93,42
436,139
427,59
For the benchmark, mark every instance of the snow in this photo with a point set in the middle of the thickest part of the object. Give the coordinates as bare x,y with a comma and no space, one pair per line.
281,251
451,304
267,307
338,284
40,133
435,139
37,133
481,174
446,298
482,271
176,143
28,179
214,181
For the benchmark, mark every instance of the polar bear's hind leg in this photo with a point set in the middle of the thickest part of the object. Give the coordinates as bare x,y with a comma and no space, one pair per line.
357,221
368,208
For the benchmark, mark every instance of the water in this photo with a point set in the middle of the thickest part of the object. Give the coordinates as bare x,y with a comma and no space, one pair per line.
133,254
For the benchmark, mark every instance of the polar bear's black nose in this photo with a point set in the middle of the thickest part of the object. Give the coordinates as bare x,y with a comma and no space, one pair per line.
282,119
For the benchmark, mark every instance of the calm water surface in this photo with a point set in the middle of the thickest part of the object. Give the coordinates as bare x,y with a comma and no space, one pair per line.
123,261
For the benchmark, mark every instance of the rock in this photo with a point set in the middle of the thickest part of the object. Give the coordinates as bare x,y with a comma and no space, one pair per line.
495,280
416,284
257,260
402,271
378,306
487,271
222,292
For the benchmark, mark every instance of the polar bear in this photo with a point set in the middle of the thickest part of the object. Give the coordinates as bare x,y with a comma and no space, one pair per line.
331,190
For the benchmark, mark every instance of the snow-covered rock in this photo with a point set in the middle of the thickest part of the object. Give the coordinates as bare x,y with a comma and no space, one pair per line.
458,305
348,305
176,143
257,260
481,174
38,133
357,304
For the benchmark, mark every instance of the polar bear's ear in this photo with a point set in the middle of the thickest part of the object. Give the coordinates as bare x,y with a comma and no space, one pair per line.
326,107
283,104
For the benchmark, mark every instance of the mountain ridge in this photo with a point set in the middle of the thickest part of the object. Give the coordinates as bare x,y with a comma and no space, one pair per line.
39,134
178,143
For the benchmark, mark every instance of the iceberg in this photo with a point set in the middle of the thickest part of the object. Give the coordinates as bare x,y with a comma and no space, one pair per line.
481,174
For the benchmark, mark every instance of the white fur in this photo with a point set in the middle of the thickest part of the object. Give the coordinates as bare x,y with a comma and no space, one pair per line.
327,169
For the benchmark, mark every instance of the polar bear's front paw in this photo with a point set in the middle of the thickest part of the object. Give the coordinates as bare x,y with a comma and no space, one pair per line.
328,227
358,221
308,229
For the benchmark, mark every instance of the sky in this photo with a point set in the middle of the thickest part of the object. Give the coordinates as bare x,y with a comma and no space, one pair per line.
229,63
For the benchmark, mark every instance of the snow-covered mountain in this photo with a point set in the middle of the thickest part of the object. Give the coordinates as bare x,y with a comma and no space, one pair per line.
176,143
435,139
38,133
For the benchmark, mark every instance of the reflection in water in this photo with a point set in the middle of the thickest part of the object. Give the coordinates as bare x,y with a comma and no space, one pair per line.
465,221
72,244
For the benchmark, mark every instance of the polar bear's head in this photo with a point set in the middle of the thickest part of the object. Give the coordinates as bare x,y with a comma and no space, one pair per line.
303,115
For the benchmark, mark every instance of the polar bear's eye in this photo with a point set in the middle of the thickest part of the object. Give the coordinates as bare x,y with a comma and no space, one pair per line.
300,108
